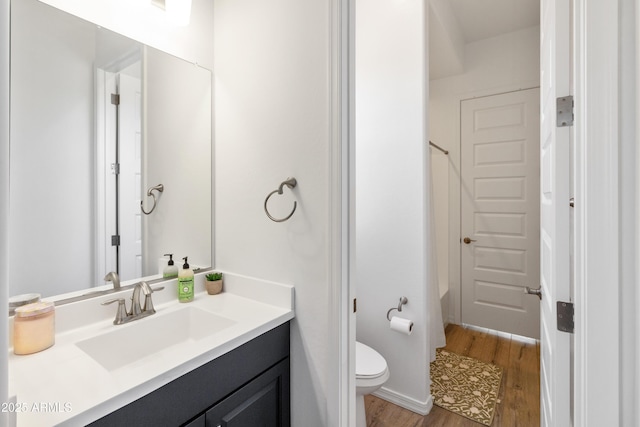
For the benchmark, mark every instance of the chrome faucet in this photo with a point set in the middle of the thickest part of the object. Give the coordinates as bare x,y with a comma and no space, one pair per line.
112,276
136,311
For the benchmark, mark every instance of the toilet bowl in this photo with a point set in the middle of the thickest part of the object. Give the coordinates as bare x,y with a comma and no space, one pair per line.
371,373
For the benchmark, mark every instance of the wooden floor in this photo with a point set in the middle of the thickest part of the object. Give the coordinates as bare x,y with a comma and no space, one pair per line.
519,397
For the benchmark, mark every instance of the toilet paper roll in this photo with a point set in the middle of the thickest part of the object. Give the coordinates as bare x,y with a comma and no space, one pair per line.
402,325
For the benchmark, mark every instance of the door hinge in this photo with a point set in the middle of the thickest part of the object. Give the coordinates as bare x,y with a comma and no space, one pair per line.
115,99
355,305
565,316
115,240
115,168
564,111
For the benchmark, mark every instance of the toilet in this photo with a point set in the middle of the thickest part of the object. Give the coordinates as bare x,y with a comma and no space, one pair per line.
371,373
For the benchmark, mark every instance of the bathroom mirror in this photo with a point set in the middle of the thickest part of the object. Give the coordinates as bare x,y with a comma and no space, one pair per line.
83,159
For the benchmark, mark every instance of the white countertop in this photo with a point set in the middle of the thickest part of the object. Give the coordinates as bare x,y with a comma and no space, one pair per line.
65,386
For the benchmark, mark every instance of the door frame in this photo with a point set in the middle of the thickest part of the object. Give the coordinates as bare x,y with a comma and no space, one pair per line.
597,193
341,407
599,134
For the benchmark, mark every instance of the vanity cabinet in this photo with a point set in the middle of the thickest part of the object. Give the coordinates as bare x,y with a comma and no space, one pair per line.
258,403
245,387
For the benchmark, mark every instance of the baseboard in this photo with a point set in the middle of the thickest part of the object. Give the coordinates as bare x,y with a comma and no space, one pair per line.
506,335
422,408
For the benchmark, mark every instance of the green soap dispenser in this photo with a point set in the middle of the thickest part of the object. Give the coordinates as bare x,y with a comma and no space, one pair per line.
171,270
185,283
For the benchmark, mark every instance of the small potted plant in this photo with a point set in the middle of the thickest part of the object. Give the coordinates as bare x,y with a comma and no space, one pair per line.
213,283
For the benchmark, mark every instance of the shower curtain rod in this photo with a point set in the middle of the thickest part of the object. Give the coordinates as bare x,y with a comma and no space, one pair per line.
439,148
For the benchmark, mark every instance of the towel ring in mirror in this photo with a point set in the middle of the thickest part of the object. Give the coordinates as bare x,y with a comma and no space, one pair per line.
150,192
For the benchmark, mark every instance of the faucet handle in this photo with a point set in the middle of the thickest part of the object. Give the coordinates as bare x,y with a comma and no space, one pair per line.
121,314
146,289
148,302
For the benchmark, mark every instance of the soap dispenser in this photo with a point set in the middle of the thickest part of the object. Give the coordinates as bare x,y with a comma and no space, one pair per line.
185,283
171,270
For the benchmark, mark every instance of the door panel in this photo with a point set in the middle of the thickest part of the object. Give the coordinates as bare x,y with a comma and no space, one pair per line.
130,138
555,63
500,211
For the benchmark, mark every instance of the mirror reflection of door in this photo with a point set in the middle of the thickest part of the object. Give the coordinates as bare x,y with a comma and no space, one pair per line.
130,141
121,116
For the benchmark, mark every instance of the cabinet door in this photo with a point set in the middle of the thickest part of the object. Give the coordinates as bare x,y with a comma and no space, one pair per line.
263,402
198,422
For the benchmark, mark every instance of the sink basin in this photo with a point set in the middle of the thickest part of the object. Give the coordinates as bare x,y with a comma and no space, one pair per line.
145,337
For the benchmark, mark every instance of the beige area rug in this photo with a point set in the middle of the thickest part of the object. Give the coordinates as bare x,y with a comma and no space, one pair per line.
465,386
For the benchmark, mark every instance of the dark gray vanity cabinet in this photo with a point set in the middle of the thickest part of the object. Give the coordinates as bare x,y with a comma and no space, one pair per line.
259,403
247,387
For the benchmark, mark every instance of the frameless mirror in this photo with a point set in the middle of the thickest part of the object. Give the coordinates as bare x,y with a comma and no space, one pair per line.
99,125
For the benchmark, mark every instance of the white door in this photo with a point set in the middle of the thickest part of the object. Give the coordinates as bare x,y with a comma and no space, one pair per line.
130,138
500,211
118,201
106,253
555,63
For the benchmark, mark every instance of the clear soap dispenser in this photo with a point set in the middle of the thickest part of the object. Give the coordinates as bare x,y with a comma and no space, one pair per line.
170,270
185,283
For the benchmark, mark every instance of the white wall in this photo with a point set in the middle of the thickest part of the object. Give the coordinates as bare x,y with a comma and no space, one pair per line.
177,154
58,147
632,412
499,64
391,181
4,198
272,122
629,218
142,22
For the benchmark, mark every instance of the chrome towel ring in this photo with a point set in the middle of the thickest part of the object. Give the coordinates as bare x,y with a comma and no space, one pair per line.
291,183
150,192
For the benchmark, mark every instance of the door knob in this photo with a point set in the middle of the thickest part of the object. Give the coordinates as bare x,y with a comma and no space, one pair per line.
468,240
528,290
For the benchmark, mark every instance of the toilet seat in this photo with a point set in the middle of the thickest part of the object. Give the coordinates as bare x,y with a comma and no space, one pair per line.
369,363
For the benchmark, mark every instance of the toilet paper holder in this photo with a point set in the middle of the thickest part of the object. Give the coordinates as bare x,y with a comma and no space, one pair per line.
403,301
